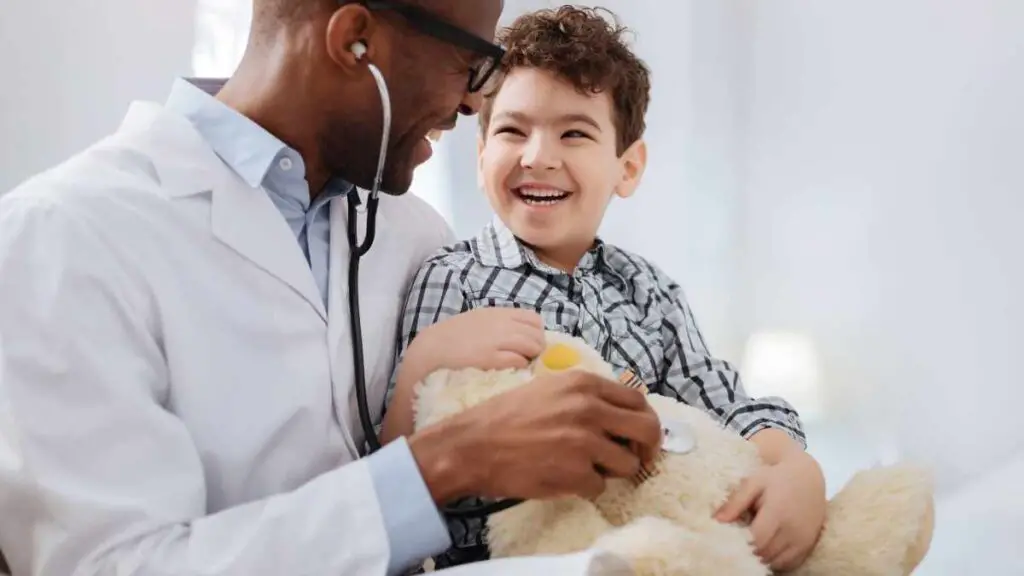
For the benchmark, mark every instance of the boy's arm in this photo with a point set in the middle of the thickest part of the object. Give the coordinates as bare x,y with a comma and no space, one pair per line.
701,380
434,295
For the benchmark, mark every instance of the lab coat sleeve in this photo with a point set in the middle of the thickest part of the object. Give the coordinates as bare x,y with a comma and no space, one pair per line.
437,294
96,477
414,526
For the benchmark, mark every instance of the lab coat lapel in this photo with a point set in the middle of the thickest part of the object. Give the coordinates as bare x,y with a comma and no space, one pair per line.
245,219
242,217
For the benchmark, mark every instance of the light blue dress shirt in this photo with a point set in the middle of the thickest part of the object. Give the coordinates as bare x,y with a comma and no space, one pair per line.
414,526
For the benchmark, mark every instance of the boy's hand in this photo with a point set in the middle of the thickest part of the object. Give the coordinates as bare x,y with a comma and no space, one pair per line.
485,338
787,501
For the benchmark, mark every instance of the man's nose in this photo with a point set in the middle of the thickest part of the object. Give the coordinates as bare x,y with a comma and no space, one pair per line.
539,154
471,103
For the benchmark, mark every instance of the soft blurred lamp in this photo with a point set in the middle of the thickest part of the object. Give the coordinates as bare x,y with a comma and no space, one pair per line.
784,364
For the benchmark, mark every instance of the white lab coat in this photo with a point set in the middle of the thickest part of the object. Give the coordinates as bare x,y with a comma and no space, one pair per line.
173,397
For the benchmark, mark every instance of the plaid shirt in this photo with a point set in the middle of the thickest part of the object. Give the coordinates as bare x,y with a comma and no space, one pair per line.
618,302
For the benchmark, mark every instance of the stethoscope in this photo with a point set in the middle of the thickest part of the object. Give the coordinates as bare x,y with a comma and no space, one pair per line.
356,251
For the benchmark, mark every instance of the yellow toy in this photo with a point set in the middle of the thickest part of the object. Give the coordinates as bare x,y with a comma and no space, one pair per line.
662,524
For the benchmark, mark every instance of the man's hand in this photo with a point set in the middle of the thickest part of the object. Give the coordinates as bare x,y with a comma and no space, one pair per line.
787,501
552,437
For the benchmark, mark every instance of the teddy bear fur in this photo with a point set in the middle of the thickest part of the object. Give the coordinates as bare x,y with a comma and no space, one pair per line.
879,524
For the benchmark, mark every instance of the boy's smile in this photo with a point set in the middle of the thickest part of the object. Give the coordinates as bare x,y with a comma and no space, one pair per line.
538,195
549,166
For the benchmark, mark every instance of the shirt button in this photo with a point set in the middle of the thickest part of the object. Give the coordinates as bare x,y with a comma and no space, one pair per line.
285,164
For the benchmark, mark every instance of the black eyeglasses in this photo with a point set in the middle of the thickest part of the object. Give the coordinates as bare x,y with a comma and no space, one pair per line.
489,55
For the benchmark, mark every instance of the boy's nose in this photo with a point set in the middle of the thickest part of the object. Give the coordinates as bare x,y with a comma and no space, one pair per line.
538,154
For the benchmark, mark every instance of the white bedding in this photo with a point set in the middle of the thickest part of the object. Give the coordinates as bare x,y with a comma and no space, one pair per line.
978,528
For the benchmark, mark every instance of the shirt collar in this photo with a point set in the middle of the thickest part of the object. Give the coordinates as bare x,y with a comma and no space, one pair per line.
498,247
257,156
245,146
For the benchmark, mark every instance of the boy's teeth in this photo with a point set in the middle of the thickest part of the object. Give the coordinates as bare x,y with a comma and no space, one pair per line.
541,192
541,196
434,135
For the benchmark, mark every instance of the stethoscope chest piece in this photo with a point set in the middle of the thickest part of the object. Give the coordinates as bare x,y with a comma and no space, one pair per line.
677,436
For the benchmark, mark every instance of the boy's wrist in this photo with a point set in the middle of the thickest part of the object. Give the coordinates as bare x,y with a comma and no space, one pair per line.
774,445
419,360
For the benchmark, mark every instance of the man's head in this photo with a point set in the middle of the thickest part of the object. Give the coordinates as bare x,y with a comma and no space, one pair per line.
428,51
561,132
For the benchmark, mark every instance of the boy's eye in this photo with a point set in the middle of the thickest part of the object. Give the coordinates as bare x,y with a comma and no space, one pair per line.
576,134
508,130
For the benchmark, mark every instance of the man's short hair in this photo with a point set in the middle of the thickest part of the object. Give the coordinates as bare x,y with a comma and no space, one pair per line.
587,50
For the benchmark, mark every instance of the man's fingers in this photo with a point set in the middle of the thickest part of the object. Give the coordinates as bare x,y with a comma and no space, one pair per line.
589,485
613,458
642,429
740,501
617,394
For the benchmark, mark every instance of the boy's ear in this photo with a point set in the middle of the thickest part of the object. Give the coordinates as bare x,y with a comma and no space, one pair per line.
634,161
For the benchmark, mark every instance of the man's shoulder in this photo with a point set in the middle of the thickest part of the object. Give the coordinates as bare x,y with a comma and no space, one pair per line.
92,184
87,180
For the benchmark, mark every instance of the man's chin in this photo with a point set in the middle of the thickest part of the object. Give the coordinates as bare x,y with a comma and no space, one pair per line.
396,181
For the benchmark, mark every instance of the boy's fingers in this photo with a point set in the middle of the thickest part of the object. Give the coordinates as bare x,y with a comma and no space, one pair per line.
788,559
740,501
764,528
771,551
523,343
528,317
505,359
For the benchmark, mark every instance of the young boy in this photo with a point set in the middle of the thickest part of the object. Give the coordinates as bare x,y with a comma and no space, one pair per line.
560,136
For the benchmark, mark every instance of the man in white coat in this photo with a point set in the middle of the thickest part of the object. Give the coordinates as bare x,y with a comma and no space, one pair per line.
176,377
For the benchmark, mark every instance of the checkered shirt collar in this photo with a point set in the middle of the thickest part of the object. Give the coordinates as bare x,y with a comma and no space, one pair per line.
498,247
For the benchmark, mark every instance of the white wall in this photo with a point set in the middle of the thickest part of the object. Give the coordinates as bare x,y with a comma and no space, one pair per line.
69,69
884,183
883,188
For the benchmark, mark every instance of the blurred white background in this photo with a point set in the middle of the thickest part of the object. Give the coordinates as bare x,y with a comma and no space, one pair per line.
836,184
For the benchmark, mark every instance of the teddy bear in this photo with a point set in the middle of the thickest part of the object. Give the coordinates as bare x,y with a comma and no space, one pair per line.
661,522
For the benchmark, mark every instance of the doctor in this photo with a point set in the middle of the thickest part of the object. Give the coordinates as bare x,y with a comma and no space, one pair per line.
176,382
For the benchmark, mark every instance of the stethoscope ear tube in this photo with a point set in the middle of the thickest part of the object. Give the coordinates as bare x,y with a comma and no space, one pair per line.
358,250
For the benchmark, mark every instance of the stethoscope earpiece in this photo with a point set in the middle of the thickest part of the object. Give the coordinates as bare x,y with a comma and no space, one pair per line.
359,49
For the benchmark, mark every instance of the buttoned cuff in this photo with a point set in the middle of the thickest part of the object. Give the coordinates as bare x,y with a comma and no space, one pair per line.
415,528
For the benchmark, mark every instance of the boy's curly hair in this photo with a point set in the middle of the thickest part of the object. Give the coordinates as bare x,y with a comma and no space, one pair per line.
580,46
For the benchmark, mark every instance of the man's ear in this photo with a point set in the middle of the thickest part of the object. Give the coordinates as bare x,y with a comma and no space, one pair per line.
634,161
350,24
